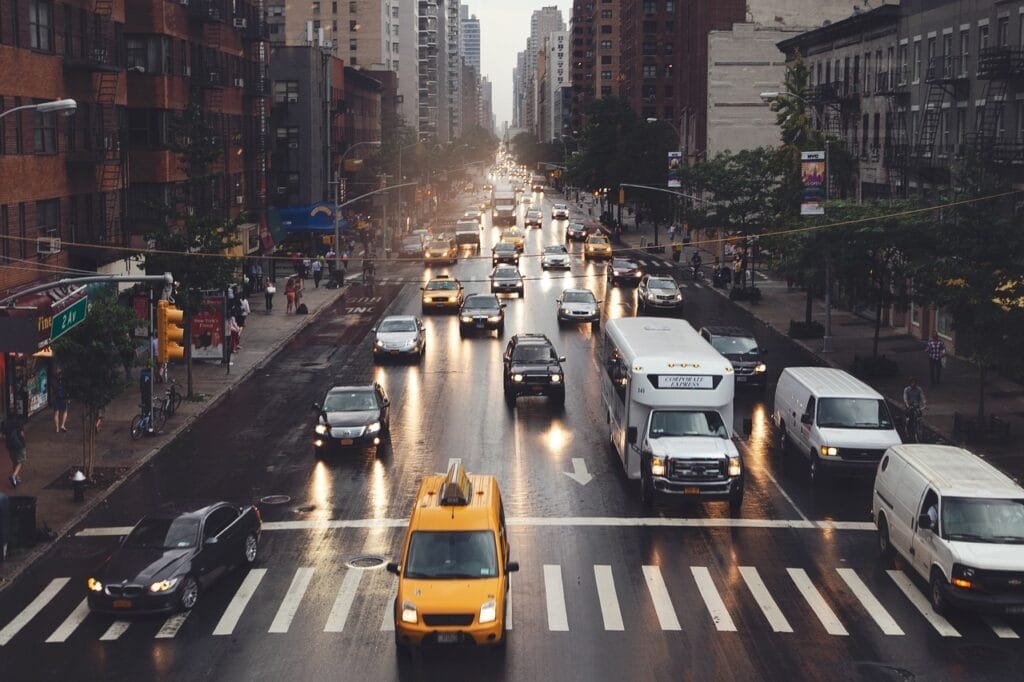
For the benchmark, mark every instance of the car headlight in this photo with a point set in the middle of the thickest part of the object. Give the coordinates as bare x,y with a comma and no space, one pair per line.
378,343
494,318
963,576
373,428
677,297
658,466
638,274
452,299
518,378
556,378
829,451
735,469
409,613
466,318
94,585
488,611
322,429
163,585
761,368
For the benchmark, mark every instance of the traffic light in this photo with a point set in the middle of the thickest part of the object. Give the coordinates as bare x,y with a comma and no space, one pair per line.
169,335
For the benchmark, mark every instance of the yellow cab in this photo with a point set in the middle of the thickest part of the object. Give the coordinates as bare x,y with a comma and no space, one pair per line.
597,246
513,235
453,573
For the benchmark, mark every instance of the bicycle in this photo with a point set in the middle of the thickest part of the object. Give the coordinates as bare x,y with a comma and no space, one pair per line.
173,398
149,421
913,424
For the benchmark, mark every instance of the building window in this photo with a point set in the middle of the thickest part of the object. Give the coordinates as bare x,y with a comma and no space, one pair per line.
606,91
286,91
48,217
1003,32
45,134
1019,136
903,65
876,135
606,75
606,14
353,25
931,57
606,44
670,6
40,25
944,323
982,38
650,71
917,61
606,59
606,28
961,125
668,71
946,137
353,7
965,44
135,51
866,86
650,6
353,45
316,8
915,314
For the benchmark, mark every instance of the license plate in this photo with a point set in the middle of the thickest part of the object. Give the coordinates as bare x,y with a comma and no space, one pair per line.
447,638
122,603
1014,609
741,379
691,491
346,441
480,325
394,352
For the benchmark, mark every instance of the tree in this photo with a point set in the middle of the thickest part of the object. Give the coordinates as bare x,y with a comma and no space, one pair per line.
604,159
92,361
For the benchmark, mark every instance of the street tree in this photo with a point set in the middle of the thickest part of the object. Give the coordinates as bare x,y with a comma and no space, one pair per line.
604,158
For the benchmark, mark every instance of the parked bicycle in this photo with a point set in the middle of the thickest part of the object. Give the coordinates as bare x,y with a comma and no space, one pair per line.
174,398
913,425
149,421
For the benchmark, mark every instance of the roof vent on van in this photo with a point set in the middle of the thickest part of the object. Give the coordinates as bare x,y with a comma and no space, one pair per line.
455,490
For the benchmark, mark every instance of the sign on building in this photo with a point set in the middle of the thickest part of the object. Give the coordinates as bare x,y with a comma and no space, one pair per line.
813,178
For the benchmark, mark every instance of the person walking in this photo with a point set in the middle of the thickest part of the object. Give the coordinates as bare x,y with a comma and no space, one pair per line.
305,267
243,312
236,335
936,352
318,272
289,294
60,404
268,293
14,439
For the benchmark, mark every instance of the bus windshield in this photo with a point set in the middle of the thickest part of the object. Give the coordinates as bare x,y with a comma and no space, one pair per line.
686,423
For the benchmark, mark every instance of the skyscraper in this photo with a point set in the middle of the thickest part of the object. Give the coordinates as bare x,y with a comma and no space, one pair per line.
543,23
470,39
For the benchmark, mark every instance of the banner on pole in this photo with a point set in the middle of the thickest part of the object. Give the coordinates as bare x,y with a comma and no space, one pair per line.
675,163
812,176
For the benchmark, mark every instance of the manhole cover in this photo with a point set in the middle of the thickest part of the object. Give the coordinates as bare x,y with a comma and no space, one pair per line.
275,499
367,561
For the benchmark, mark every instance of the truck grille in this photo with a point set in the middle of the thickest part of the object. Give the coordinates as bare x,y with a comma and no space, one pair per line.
999,581
537,379
861,454
448,619
696,470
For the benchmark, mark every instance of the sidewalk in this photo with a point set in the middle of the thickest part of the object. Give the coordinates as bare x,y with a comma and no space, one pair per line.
51,456
853,335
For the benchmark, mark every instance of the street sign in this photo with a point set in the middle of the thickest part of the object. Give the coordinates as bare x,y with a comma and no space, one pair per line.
68,318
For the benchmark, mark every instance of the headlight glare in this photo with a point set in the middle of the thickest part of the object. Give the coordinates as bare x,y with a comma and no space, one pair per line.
466,318
163,585
735,469
488,612
518,378
409,613
829,451
556,378
658,466
761,368
94,585
322,429
373,428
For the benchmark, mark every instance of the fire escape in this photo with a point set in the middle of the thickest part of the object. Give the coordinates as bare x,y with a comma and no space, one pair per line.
946,76
999,66
257,33
896,149
835,105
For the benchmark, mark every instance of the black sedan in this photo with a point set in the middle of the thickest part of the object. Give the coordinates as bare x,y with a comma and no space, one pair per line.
169,558
351,416
622,271
505,252
482,312
576,231
532,367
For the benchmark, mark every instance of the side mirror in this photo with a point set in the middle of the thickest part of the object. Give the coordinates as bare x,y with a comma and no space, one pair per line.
512,567
316,406
385,402
392,567
561,358
558,300
748,426
924,522
210,541
806,418
422,288
631,434
503,305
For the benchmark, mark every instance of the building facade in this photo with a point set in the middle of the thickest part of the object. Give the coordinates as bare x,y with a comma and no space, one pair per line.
453,70
596,55
559,76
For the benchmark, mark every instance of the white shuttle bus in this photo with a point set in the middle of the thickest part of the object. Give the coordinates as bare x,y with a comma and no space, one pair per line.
669,396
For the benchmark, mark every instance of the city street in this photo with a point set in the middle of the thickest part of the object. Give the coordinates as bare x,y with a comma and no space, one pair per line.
789,588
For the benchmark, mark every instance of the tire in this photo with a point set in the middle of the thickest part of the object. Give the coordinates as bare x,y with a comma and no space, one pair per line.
188,596
175,402
596,324
783,442
521,294
137,427
250,550
815,472
510,399
462,332
501,330
736,502
647,491
558,399
936,592
885,548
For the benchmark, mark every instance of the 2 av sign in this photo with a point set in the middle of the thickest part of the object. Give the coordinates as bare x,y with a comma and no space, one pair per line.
68,318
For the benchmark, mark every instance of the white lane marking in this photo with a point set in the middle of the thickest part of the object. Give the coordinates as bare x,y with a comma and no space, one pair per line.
233,612
388,623
662,601
452,461
782,491
764,599
609,599
1002,630
868,600
817,603
292,599
171,626
343,602
907,586
32,610
579,471
712,599
558,619
70,623
114,632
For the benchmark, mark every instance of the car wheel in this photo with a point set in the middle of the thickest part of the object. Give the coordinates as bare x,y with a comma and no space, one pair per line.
937,592
189,594
501,329
559,399
647,491
596,324
885,549
462,332
783,443
521,294
250,550
815,472
736,502
510,399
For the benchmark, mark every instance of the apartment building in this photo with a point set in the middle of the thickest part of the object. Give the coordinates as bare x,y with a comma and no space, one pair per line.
596,57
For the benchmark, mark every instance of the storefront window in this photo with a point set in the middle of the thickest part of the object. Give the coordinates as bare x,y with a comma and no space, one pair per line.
944,324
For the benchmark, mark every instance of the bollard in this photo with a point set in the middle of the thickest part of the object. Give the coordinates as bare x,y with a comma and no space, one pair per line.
78,485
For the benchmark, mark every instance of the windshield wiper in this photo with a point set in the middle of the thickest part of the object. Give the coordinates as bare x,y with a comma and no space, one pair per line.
968,537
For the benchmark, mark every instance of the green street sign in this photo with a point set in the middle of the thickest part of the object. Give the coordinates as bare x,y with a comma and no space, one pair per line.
68,318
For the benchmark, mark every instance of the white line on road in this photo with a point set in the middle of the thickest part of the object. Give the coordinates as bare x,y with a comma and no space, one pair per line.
907,586
233,612
1002,630
32,610
712,600
114,632
608,598
343,603
817,603
764,599
292,599
870,602
778,486
70,623
169,629
662,601
558,619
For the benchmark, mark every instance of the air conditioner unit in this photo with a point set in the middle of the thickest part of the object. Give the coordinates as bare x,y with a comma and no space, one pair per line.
48,245
239,82
188,70
238,22
239,199
293,145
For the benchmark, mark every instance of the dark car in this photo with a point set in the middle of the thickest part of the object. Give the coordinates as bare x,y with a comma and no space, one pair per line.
505,252
740,347
534,218
532,367
576,231
169,558
482,312
506,279
411,247
659,292
351,416
622,271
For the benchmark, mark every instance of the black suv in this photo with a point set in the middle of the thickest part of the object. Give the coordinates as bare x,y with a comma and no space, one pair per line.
481,311
740,347
532,367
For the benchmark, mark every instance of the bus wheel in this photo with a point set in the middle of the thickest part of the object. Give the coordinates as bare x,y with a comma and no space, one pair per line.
647,491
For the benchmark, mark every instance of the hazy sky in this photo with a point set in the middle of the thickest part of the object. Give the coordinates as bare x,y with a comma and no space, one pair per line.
504,27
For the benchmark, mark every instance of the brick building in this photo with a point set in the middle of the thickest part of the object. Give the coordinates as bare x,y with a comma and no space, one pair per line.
595,65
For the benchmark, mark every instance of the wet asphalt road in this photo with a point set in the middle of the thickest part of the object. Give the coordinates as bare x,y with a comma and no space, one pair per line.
693,593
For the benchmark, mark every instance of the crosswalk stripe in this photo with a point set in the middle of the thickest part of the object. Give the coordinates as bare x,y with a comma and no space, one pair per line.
70,623
907,586
558,618
662,601
343,603
169,629
1002,630
32,610
712,599
817,603
764,599
388,623
116,629
233,612
869,602
292,599
608,598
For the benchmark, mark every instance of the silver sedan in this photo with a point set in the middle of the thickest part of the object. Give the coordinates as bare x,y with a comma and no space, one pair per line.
578,305
399,336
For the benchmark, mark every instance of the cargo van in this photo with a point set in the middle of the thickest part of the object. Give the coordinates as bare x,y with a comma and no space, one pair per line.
958,521
833,420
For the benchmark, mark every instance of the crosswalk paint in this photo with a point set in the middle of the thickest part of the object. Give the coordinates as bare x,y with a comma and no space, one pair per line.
712,599
32,610
869,602
817,603
662,601
1002,630
116,629
764,599
388,623
343,602
229,619
907,586
290,604
169,629
70,624
609,600
558,618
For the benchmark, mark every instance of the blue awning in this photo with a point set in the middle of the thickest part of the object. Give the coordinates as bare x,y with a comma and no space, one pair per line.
317,217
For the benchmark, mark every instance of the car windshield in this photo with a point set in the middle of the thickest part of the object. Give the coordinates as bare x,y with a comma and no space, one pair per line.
176,533
555,249
481,302
506,273
412,241
983,520
533,353
575,226
657,283
466,225
853,413
505,246
578,297
623,264
452,554
682,423
598,240
439,244
350,401
442,286
388,326
735,345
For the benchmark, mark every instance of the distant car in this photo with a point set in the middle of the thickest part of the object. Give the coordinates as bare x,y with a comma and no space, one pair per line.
399,336
467,231
532,367
578,305
526,200
441,250
505,252
559,212
351,417
482,312
555,256
514,235
411,247
534,218
740,347
622,271
172,557
473,215
657,292
576,232
597,246
441,293
506,279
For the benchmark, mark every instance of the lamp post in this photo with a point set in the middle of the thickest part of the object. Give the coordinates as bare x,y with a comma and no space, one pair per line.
337,201
65,106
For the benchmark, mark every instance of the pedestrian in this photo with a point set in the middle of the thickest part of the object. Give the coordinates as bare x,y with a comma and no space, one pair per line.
269,294
305,267
14,439
299,286
257,275
236,334
936,351
243,312
60,404
672,233
318,272
289,294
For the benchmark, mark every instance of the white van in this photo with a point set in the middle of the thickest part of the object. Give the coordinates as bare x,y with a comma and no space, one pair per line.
834,420
958,521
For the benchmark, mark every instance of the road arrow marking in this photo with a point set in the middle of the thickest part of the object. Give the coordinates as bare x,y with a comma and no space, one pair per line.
579,471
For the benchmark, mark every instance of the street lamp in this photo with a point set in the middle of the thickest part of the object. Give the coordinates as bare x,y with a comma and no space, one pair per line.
65,106
337,201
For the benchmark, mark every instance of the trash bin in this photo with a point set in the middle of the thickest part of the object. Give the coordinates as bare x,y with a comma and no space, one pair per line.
22,521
